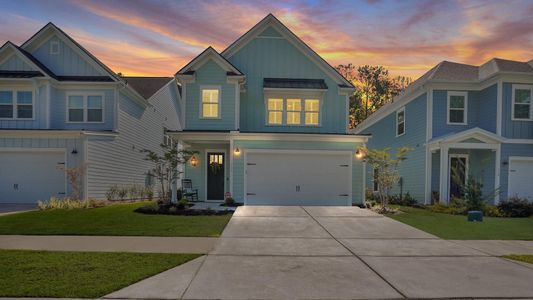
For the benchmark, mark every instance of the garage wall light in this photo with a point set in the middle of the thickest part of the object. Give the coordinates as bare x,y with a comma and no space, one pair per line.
359,154
237,151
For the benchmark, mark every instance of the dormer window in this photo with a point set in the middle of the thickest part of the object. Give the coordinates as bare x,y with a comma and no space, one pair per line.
457,108
522,107
54,47
210,102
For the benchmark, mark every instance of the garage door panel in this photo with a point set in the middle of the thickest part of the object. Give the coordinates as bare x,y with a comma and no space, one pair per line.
303,178
520,171
26,177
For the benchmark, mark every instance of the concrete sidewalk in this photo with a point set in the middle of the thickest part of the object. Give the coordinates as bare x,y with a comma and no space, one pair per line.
199,245
334,253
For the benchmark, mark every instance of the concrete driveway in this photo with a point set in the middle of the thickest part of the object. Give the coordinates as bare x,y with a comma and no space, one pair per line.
333,253
16,207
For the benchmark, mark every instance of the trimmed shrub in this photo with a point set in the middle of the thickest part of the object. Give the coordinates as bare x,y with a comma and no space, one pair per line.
516,207
69,203
182,204
406,200
492,211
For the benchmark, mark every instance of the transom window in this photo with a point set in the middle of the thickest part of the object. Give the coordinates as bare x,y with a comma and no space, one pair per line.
522,107
400,122
85,108
210,104
16,104
293,111
457,108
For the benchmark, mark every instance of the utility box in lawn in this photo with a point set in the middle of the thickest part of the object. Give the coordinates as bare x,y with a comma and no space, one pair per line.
475,216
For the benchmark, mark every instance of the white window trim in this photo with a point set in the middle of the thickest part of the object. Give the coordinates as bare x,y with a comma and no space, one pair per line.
397,113
15,104
85,95
302,97
210,87
465,109
522,87
56,44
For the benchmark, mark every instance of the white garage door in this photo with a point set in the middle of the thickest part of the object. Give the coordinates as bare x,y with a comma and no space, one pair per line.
298,178
26,177
520,171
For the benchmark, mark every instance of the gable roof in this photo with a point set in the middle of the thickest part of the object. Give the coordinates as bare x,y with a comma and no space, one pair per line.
210,53
271,20
147,86
27,58
475,133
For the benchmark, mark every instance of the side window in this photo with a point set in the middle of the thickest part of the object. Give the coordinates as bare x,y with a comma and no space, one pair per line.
400,122
457,108
522,106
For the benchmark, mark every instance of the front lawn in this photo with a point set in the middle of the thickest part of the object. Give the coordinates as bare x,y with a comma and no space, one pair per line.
117,219
455,227
524,258
78,274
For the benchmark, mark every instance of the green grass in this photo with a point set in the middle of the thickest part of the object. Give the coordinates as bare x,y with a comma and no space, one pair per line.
456,227
524,258
110,220
78,274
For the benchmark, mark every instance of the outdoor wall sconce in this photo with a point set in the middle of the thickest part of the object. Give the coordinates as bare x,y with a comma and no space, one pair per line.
237,151
194,161
359,154
74,151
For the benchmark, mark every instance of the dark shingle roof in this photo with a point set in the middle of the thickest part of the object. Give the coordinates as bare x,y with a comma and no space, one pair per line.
20,74
294,83
505,65
147,86
447,70
86,78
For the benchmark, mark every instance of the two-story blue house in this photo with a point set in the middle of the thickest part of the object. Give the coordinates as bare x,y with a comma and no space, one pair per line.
60,107
462,120
268,117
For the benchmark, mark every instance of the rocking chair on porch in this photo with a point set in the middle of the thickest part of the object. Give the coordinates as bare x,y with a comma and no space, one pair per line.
188,192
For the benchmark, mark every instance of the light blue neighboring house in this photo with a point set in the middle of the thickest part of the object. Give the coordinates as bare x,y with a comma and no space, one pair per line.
269,119
477,120
60,107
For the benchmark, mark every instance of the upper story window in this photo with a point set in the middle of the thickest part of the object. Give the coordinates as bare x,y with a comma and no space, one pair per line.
400,122
85,108
457,108
54,47
16,104
210,104
293,111
522,107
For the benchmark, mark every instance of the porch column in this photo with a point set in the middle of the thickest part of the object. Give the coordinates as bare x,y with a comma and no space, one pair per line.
174,196
443,190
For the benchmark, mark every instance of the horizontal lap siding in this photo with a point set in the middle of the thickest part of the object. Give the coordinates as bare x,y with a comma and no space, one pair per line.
507,150
118,160
69,144
513,129
412,170
278,58
238,161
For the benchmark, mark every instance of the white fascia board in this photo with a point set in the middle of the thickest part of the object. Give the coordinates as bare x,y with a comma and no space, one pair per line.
22,133
235,135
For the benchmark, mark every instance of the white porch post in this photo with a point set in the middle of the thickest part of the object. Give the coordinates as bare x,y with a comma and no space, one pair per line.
174,196
443,190
497,166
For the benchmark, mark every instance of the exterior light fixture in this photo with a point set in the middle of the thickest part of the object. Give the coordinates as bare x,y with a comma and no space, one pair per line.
359,154
74,151
237,151
194,161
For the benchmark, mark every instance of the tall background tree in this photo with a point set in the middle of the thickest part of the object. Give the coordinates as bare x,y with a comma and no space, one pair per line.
374,88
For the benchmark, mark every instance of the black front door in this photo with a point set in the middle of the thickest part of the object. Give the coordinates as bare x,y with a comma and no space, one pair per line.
215,175
457,176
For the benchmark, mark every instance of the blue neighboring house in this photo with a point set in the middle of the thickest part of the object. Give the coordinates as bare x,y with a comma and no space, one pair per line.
268,117
61,107
477,120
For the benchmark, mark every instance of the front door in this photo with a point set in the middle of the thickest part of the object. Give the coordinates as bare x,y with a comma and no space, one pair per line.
458,173
215,175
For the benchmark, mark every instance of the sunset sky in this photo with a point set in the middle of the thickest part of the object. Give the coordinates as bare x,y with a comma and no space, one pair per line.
157,38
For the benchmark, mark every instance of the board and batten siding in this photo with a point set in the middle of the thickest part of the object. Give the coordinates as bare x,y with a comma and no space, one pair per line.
58,111
238,161
74,160
412,170
118,160
210,74
267,57
487,108
513,129
15,63
507,150
39,108
67,62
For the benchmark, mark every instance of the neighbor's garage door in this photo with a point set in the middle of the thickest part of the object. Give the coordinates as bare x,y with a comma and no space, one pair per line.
298,178
26,177
520,171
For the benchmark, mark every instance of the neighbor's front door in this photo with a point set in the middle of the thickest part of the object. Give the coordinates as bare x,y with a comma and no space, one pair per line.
458,170
215,175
